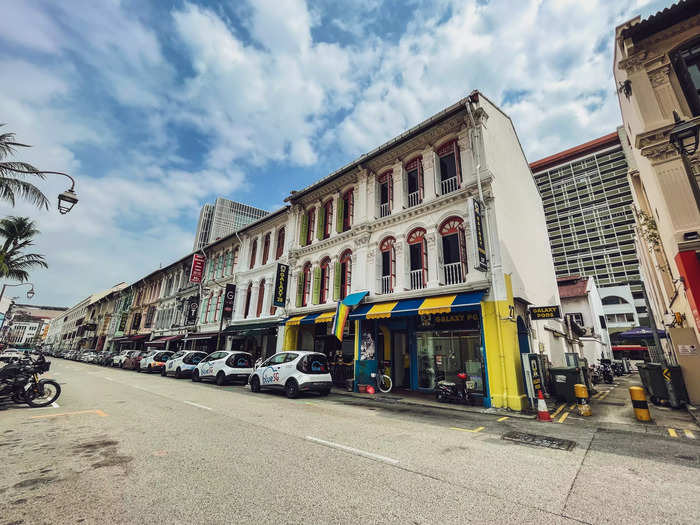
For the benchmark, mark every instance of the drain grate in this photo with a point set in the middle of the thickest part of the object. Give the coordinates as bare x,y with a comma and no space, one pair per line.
539,441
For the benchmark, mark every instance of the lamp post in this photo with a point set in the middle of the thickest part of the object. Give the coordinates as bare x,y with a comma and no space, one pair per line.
67,199
684,137
30,294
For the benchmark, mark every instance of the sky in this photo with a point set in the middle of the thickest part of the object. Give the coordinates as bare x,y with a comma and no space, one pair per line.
159,107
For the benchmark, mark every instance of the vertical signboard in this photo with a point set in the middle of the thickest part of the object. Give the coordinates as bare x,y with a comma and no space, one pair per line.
197,270
281,280
229,297
477,233
192,309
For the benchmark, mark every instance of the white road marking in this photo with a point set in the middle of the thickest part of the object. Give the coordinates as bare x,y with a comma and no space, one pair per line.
355,451
198,406
55,405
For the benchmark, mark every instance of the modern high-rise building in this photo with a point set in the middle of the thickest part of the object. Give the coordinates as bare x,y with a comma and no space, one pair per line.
590,221
223,218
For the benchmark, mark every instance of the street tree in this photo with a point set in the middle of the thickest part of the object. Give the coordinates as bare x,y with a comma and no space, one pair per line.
16,176
17,234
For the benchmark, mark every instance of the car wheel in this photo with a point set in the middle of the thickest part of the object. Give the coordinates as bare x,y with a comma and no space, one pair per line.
178,373
255,384
195,376
220,379
291,389
121,365
163,372
150,369
138,368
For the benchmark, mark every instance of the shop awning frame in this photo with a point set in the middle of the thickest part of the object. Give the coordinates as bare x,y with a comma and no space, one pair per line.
200,336
315,318
439,304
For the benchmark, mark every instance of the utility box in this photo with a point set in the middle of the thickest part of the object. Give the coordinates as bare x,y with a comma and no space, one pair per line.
563,379
656,380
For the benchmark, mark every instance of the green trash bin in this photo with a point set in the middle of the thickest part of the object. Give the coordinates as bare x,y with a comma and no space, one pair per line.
563,379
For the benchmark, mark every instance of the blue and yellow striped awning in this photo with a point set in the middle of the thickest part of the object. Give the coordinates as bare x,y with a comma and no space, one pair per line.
440,304
325,317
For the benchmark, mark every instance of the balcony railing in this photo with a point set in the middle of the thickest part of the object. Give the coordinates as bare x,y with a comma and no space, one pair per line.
387,284
417,280
450,185
453,273
413,199
384,209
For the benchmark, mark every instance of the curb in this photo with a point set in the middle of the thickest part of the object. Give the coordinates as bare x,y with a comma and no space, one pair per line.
694,413
453,408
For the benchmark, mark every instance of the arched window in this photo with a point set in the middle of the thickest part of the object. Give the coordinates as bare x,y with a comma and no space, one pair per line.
325,218
686,62
247,300
614,299
236,251
261,298
386,193
346,207
418,255
414,181
266,248
386,248
325,279
454,250
280,244
345,273
253,253
450,169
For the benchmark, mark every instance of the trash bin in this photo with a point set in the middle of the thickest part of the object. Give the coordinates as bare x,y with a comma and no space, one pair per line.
563,380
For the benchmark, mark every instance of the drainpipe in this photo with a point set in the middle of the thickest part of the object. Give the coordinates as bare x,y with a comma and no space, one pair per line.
499,332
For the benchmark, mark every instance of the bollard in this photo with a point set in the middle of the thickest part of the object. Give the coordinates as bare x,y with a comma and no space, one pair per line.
639,402
582,402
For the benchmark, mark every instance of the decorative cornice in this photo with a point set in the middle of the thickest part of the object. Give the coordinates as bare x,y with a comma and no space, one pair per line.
634,62
660,75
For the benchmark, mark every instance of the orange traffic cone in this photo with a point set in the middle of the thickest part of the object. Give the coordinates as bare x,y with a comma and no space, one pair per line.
542,411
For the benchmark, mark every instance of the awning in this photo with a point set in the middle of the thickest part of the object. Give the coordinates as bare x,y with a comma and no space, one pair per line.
250,328
294,321
161,341
119,339
325,317
137,337
203,335
440,304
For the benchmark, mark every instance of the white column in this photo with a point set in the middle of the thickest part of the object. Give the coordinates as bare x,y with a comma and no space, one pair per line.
364,198
433,267
401,266
398,176
267,305
429,174
239,305
253,301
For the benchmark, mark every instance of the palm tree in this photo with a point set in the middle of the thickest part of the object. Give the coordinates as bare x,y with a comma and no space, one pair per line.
18,234
14,175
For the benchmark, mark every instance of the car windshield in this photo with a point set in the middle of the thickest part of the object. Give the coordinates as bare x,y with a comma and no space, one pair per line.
194,358
177,355
240,361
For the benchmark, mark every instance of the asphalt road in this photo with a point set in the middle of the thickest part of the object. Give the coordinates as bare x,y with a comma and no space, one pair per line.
123,447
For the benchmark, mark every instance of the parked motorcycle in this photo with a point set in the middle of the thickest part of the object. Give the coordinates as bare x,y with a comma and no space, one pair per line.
595,374
19,381
458,392
606,371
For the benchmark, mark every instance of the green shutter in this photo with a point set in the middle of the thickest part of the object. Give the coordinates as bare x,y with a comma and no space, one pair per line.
317,285
320,223
304,229
339,218
300,288
336,282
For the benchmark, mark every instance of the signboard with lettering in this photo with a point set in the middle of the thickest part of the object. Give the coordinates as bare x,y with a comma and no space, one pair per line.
459,320
192,306
229,298
544,312
122,322
477,234
281,281
197,270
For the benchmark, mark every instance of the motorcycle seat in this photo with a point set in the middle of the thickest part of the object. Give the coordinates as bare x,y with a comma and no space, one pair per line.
446,383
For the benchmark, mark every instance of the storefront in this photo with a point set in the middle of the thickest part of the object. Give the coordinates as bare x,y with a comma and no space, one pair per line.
172,343
258,339
133,342
201,342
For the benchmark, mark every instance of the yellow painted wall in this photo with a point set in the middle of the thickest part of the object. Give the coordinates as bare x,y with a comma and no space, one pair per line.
290,337
503,353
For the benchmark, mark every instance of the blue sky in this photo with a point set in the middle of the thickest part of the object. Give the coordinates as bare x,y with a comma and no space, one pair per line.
157,108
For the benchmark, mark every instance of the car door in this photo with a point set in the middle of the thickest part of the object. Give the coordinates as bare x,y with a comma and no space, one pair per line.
287,367
270,374
170,364
206,367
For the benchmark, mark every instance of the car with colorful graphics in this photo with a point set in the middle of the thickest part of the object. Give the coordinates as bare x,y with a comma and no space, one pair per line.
224,367
155,361
118,360
294,372
134,358
182,363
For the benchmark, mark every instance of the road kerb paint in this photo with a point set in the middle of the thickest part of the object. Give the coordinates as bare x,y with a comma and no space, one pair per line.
198,405
596,396
503,418
477,429
672,432
563,417
98,412
556,412
351,450
689,434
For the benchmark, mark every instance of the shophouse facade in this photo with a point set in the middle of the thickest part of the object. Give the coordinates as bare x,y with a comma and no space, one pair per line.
443,229
656,71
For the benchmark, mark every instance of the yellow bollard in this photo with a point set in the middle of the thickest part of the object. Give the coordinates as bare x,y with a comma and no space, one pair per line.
639,402
582,403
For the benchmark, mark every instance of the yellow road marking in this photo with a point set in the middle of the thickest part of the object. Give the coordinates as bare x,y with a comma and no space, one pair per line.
477,429
604,394
572,406
502,418
309,403
597,395
672,432
563,417
689,434
556,412
98,412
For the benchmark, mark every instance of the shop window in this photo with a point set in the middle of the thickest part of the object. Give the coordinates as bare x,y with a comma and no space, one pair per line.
441,355
346,206
414,181
248,294
345,273
686,62
386,191
418,254
266,248
253,253
324,280
454,250
450,169
388,276
280,244
261,298
236,251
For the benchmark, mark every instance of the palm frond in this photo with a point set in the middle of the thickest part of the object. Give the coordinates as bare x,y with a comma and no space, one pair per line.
11,188
19,169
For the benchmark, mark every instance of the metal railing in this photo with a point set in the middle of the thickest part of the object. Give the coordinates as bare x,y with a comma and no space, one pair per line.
417,281
449,185
414,199
387,285
453,273
384,209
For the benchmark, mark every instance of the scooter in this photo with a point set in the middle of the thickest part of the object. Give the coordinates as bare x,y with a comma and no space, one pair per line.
458,392
19,381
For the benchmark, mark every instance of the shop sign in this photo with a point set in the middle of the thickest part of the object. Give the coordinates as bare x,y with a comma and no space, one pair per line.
281,281
197,270
477,234
122,322
229,297
192,309
461,321
544,312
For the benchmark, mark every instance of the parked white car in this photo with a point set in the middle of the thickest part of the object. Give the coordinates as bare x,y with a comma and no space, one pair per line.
182,363
294,372
118,360
88,357
224,367
155,361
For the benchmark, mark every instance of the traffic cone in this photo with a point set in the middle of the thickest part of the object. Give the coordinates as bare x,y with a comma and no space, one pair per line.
542,411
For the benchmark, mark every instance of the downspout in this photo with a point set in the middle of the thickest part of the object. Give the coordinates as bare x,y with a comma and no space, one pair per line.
499,332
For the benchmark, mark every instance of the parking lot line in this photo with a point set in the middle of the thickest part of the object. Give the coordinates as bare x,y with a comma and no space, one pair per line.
198,405
689,434
563,417
98,412
477,429
502,418
672,432
351,450
556,412
572,406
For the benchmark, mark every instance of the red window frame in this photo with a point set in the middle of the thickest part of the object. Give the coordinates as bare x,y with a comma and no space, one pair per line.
325,279
346,276
417,236
311,214
247,300
417,163
455,225
218,302
253,253
266,248
261,298
280,243
387,245
387,177
450,148
306,275
349,199
206,316
328,211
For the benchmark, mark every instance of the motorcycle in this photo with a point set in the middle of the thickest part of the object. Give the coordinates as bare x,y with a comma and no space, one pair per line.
607,371
459,392
19,381
595,374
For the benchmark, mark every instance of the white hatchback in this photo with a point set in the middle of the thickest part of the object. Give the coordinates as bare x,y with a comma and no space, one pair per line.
118,359
224,367
182,363
155,361
294,372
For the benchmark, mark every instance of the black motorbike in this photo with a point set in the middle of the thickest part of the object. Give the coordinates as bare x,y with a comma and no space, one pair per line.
595,374
19,381
457,392
606,371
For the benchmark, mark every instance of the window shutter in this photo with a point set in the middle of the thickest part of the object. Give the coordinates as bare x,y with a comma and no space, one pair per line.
463,249
300,288
424,261
390,190
336,282
303,232
321,223
421,189
440,261
317,285
339,218
458,163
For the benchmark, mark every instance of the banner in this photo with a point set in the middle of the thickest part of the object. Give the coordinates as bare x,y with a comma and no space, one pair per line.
477,234
544,312
281,281
192,309
229,298
197,270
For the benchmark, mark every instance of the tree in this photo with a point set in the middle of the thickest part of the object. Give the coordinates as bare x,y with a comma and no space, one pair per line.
15,176
18,234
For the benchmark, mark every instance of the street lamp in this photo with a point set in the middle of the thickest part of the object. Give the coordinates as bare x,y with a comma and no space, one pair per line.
67,199
684,137
30,292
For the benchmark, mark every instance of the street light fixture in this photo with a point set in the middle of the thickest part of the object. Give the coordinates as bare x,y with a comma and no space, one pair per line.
67,199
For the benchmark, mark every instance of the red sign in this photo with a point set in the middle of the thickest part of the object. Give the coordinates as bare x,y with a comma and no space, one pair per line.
197,268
